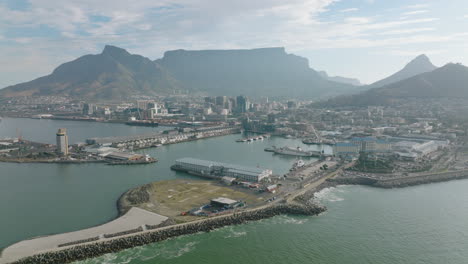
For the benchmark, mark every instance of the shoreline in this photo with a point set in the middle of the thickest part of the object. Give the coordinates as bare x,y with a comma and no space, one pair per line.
299,203
91,249
401,182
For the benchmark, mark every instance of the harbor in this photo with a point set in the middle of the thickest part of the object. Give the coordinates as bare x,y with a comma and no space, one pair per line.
297,152
75,180
256,181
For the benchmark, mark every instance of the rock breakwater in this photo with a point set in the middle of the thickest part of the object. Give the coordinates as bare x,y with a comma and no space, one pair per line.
399,182
91,250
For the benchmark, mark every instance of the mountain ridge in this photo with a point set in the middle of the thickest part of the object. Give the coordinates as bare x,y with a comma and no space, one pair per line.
341,79
418,65
117,74
448,81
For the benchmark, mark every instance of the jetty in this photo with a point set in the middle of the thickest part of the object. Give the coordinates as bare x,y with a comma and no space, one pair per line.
133,221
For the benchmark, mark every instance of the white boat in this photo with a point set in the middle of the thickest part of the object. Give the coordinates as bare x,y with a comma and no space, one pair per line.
299,163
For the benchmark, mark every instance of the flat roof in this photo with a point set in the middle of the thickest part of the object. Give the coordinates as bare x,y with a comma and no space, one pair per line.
232,167
224,200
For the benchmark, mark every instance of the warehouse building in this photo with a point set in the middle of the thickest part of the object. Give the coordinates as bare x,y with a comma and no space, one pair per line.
215,169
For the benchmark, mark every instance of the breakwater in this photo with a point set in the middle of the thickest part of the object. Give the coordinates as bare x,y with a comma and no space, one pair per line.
399,182
91,250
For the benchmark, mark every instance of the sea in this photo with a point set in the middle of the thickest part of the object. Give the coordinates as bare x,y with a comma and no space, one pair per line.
421,224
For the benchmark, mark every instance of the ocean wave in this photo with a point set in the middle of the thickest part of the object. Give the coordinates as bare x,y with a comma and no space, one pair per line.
231,233
287,219
330,194
170,252
144,253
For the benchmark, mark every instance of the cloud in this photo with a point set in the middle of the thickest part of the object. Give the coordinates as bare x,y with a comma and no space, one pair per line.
417,6
358,20
414,53
465,16
150,27
417,12
349,10
406,31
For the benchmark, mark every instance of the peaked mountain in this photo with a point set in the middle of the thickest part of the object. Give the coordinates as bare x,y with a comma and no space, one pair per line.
340,79
113,74
449,81
420,64
117,74
255,72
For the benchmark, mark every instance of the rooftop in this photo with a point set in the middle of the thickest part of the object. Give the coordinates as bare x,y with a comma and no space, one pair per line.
224,200
209,163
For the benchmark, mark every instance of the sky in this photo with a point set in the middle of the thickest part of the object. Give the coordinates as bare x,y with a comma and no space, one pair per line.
364,39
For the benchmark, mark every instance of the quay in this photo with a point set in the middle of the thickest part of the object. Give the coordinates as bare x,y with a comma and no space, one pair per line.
217,170
164,137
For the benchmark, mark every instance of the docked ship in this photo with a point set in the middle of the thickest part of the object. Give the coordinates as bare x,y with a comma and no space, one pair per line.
298,152
310,141
147,123
253,138
298,164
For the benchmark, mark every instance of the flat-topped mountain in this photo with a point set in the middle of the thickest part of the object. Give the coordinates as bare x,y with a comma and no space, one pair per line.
117,74
340,79
255,72
449,81
420,64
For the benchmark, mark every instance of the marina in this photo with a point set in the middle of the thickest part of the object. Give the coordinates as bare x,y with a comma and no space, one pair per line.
67,191
92,177
297,152
255,138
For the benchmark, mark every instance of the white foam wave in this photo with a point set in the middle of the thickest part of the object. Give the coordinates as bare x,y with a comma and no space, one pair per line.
231,233
330,194
286,219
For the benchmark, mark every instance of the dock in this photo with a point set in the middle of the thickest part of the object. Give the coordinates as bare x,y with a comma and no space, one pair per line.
163,137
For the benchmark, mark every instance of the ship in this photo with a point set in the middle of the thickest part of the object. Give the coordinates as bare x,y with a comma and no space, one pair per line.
148,123
253,138
298,152
298,164
310,141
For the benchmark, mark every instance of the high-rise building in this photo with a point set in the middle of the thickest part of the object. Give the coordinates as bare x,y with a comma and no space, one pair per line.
243,104
62,142
88,109
144,104
221,100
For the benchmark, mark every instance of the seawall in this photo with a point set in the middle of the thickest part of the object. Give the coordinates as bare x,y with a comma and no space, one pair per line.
95,249
399,182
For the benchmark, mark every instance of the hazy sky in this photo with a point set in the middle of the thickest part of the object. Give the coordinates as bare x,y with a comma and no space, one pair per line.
366,39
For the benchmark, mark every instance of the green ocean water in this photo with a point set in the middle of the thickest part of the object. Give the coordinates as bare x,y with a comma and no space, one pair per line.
42,199
422,224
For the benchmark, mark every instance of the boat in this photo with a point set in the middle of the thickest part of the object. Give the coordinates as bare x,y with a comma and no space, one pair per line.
270,149
250,139
133,162
298,164
310,141
298,152
148,123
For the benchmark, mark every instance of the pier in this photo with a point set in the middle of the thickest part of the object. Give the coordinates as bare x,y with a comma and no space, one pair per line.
162,138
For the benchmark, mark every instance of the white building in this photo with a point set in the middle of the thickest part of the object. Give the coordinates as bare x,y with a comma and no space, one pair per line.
218,170
62,141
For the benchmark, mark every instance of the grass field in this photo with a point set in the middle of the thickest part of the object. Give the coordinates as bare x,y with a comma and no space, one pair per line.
172,197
